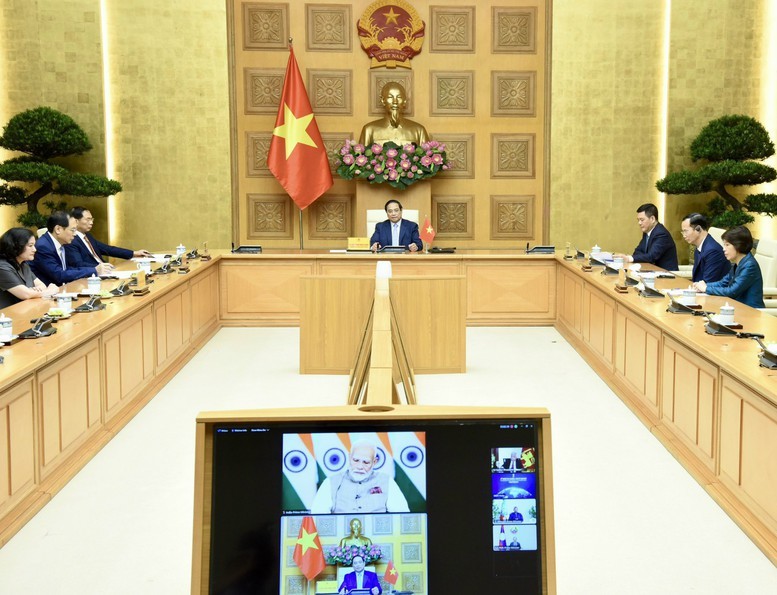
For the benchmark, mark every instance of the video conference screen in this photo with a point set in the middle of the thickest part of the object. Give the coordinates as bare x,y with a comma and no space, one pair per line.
416,507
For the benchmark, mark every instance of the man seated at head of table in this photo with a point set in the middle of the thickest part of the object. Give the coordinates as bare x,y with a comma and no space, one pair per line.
709,262
85,250
657,246
17,281
744,282
51,264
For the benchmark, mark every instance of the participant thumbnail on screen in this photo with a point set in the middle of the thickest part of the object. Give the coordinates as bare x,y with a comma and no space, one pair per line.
513,459
356,472
514,485
514,537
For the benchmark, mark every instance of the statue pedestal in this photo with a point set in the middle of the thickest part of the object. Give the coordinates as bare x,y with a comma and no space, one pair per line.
374,196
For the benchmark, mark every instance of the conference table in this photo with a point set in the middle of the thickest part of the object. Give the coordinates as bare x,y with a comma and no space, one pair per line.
704,397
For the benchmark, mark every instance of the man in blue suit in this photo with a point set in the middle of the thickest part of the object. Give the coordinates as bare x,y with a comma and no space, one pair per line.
51,264
360,579
657,246
395,231
709,262
85,250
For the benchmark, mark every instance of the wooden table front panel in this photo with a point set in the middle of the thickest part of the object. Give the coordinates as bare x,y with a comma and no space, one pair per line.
17,444
173,325
511,292
264,291
69,401
748,443
570,301
598,323
637,356
205,302
689,403
128,353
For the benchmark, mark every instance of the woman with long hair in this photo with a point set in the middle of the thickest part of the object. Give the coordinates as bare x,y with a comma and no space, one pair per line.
17,281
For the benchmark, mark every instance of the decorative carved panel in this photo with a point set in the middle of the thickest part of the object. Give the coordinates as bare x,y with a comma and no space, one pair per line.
269,216
265,26
453,29
513,93
514,30
333,142
263,87
453,216
378,80
330,217
460,149
330,91
413,582
452,93
512,217
257,147
328,27
512,155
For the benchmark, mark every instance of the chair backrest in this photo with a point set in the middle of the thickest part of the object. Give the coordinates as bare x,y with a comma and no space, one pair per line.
766,255
717,233
41,231
375,216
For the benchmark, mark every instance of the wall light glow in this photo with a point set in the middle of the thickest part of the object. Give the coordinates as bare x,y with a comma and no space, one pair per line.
768,115
110,166
663,112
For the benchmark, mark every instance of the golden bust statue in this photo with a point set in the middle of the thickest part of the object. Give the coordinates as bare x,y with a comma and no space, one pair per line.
356,537
393,126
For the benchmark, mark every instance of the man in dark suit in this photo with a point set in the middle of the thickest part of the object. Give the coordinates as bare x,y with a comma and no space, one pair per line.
395,231
709,262
657,246
360,579
85,250
51,264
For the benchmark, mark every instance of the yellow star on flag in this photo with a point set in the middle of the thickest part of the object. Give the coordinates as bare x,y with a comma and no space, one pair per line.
430,229
391,16
294,130
393,571
307,541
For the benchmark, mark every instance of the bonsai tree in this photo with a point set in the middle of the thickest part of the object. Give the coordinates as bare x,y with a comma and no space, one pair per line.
44,134
730,148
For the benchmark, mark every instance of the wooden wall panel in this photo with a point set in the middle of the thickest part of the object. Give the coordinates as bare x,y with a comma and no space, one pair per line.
637,358
598,323
173,325
205,302
570,301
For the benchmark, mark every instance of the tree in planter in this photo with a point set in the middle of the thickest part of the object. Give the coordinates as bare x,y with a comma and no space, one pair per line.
731,148
44,134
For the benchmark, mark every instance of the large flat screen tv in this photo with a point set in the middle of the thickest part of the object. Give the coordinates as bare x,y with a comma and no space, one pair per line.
419,500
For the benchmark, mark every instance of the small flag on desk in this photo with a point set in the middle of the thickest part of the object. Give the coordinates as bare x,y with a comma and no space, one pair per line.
308,554
297,156
391,575
427,231
502,538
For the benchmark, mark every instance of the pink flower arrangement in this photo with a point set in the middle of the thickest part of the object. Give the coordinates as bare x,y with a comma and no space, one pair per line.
397,166
344,555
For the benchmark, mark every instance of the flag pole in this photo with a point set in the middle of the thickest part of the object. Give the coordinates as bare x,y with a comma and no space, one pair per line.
301,238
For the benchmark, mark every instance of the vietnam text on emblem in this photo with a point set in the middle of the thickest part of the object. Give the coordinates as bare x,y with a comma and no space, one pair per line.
391,32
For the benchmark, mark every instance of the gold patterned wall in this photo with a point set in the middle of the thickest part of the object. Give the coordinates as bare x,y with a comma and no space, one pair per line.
609,138
479,85
169,111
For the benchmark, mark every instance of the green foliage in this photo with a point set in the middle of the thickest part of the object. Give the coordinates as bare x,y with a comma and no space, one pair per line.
732,147
684,182
766,204
43,134
733,137
737,173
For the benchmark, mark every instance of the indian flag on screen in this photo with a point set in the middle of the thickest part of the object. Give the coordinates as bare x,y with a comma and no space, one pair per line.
408,450
300,472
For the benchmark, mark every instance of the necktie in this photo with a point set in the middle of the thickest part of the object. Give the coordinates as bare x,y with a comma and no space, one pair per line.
395,234
647,239
91,249
62,257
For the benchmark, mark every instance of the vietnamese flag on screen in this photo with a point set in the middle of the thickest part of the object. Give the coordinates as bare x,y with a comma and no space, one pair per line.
297,157
391,575
308,554
427,231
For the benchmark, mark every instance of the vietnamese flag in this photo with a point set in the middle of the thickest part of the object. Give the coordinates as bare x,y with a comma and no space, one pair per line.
297,157
427,231
308,554
391,575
